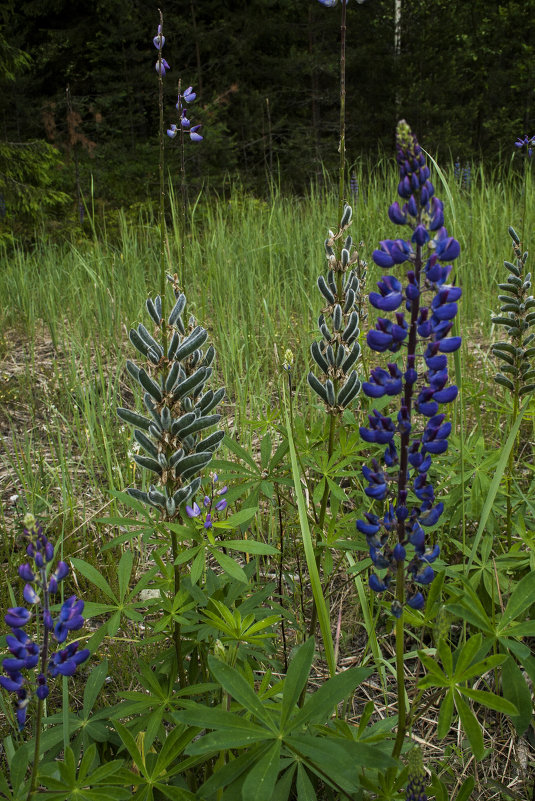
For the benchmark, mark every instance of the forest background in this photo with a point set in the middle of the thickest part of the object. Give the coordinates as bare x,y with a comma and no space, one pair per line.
78,111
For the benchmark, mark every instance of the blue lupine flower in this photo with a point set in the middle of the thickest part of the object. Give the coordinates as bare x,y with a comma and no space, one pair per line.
209,505
161,66
432,303
188,96
526,142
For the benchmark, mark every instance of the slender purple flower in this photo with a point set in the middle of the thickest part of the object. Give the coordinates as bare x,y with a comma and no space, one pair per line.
422,384
210,504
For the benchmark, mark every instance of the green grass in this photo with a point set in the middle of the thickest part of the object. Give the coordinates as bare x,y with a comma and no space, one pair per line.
250,275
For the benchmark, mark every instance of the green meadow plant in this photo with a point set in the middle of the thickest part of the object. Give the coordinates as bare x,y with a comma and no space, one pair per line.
515,355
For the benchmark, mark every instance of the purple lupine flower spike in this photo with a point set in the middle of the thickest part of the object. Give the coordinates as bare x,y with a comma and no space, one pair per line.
424,327
26,655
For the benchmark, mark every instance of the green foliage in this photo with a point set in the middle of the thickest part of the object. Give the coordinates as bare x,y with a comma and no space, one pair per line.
280,737
29,187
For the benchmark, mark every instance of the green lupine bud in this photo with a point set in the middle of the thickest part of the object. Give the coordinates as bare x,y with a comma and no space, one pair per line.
344,258
513,234
505,382
348,242
219,650
349,390
325,291
138,495
530,317
513,279
528,375
340,355
508,288
352,358
151,308
137,342
176,457
502,321
212,442
171,379
349,301
133,369
29,521
158,306
209,356
329,252
317,386
505,346
170,506
166,418
509,307
504,356
202,423
350,332
173,345
182,423
529,304
177,309
507,299
147,337
133,418
526,389
329,390
153,356
149,405
151,386
206,405
155,497
318,357
147,462
346,216
512,268
529,353
510,368
329,355
202,458
338,318
146,443
197,338
191,383
331,280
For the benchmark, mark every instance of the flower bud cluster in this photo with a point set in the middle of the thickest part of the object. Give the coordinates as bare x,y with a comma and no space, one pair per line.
517,316
210,504
177,407
25,653
421,333
339,349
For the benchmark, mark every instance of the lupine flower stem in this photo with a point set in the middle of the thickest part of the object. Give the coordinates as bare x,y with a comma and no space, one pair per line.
341,177
40,703
163,278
